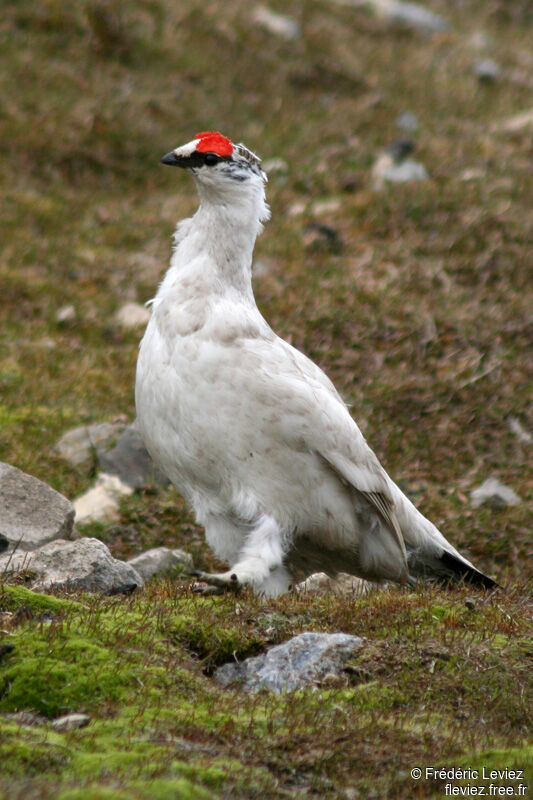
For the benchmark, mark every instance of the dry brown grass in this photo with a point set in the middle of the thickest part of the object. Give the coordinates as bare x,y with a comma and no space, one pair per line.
422,320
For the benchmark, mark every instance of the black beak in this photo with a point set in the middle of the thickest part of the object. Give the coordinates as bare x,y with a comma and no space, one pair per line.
171,160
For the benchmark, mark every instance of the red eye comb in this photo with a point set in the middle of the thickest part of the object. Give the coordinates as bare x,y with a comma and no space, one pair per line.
214,142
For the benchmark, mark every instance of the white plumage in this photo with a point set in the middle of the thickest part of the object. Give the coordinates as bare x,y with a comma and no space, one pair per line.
253,433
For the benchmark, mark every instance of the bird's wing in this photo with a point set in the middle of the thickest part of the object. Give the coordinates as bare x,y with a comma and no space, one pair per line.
316,419
379,500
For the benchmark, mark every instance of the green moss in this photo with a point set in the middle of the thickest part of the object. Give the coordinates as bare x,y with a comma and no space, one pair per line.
212,775
52,673
172,789
212,634
512,758
14,597
30,751
95,792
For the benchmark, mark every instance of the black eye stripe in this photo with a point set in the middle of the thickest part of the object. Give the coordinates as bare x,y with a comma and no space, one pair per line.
211,158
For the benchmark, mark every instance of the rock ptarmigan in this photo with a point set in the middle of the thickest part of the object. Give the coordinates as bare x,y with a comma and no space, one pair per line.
250,430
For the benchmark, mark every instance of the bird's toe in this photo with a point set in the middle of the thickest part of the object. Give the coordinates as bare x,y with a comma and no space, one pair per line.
216,583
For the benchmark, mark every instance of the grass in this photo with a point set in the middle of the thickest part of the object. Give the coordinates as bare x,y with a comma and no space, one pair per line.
437,682
421,320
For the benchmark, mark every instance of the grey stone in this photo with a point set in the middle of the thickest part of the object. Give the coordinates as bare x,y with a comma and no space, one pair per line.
85,565
80,445
133,315
516,427
495,494
101,503
411,15
130,460
303,660
407,122
70,722
518,124
31,512
343,583
388,170
75,447
26,718
404,15
487,70
159,560
65,314
479,40
278,24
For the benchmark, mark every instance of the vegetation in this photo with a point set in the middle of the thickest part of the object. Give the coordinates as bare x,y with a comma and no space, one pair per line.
418,311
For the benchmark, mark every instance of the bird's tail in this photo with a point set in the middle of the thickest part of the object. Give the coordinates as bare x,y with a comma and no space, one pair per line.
445,567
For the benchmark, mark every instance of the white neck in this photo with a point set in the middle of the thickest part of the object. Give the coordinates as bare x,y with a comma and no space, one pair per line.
215,247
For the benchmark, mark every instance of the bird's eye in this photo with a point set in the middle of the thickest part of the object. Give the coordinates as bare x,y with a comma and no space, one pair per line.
211,158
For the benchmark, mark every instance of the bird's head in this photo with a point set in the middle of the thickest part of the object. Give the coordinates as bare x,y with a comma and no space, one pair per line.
225,173
212,158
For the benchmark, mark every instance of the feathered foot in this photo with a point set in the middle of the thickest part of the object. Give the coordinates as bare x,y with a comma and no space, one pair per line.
216,583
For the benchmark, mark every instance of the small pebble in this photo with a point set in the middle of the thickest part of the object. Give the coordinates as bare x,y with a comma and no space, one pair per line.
65,314
495,493
133,315
407,121
487,71
278,24
70,722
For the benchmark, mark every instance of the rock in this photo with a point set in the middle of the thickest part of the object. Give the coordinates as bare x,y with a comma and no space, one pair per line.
403,15
65,314
26,718
75,447
516,124
494,493
351,584
278,24
85,565
130,461
101,503
322,207
473,174
79,445
319,583
515,426
407,121
386,171
31,512
400,149
487,70
160,560
70,722
479,40
296,209
316,583
394,166
133,315
305,659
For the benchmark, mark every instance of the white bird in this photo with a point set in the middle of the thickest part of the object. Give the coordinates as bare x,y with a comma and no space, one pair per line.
251,432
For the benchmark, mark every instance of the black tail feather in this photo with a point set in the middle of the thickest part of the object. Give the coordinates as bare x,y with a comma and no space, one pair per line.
446,567
469,574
